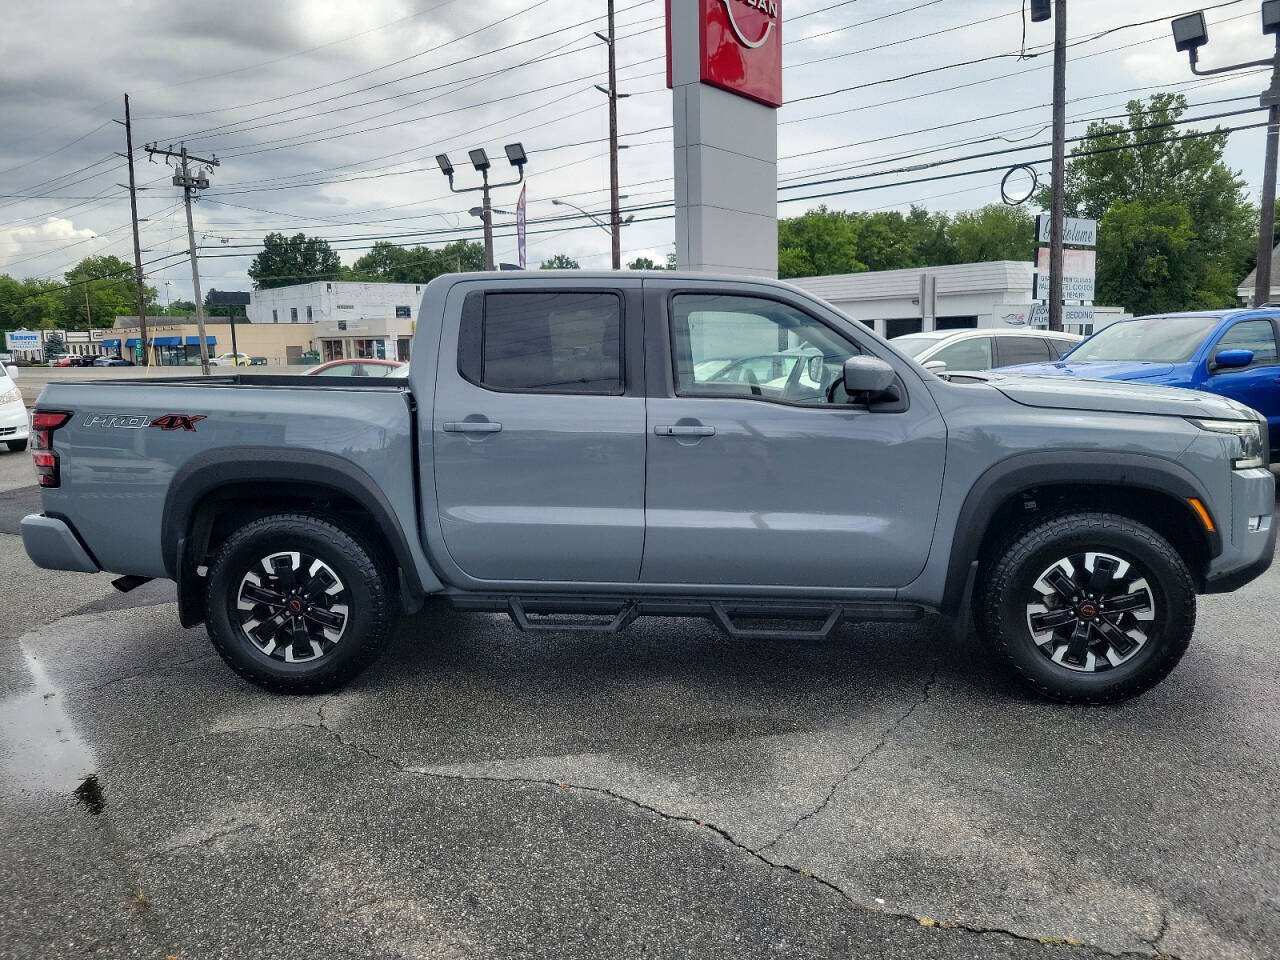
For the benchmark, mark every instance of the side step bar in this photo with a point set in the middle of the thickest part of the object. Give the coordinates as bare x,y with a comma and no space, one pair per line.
611,615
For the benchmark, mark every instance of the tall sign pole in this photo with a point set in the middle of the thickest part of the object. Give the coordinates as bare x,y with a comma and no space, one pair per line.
615,215
1059,169
137,246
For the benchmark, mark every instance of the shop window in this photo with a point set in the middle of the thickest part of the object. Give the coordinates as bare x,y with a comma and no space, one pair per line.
293,314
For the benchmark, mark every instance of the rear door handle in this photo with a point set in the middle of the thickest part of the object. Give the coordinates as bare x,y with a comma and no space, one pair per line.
472,426
684,430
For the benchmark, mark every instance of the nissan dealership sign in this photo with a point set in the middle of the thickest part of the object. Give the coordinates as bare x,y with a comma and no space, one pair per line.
740,47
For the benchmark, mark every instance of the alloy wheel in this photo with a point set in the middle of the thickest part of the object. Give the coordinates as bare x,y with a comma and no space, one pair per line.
292,606
1091,611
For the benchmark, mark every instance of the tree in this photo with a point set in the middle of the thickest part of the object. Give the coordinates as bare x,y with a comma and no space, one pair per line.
996,232
182,308
818,242
1200,233
111,293
54,345
643,263
285,261
560,261
30,304
392,263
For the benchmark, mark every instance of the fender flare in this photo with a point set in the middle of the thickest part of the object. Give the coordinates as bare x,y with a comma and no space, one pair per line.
204,473
1048,469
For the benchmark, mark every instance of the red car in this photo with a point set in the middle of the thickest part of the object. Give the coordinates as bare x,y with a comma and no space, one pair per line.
354,368
63,361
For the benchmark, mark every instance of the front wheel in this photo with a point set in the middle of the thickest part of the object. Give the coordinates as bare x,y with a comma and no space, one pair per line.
16,446
1089,607
297,603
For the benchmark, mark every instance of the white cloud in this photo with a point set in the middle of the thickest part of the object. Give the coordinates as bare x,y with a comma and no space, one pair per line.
25,243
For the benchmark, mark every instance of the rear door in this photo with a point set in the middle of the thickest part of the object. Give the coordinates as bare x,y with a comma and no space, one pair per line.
539,433
1012,351
782,482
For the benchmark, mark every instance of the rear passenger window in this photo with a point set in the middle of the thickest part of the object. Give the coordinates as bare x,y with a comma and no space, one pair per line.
543,342
1015,350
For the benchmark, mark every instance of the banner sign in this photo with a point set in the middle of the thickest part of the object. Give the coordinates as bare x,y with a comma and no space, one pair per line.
22,340
1079,270
520,234
1037,314
1076,232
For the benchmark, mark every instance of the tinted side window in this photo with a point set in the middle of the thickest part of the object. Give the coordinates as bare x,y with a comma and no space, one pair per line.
552,342
1059,347
1015,350
1255,335
971,354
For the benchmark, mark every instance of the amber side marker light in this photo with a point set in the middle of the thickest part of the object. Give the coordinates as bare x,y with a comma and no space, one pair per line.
1202,513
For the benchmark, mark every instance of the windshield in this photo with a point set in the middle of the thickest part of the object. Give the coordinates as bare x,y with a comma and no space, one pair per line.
1150,340
914,346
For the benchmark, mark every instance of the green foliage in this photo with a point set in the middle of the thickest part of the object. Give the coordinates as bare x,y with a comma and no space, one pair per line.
30,304
112,293
996,232
181,308
54,345
560,261
285,261
1176,229
818,242
644,263
392,263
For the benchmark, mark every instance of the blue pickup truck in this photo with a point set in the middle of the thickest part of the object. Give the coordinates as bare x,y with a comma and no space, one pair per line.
1232,353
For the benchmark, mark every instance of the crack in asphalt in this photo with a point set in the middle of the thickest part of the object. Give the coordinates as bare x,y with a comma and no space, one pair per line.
753,853
211,839
880,745
94,688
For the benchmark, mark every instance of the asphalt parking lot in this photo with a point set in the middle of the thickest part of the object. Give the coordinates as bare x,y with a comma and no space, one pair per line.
667,792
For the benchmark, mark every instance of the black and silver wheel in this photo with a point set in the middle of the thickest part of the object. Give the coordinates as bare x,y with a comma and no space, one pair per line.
298,603
1088,607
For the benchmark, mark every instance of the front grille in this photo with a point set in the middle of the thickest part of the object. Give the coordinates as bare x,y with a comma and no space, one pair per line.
6,431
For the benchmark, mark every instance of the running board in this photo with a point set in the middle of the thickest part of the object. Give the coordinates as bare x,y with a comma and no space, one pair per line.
612,615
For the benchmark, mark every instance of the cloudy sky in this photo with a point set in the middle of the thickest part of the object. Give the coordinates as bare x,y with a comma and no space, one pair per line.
326,114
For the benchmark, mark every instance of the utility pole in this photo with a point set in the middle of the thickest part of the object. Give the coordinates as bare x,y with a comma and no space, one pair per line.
1267,225
1059,168
191,183
137,247
615,215
487,217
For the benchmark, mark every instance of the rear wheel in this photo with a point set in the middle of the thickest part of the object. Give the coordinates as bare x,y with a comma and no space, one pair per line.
297,603
16,446
1089,607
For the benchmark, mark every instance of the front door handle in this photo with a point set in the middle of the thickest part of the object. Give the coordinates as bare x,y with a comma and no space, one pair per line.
684,430
472,426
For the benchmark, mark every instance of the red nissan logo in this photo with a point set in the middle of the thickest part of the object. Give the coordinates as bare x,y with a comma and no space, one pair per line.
1088,611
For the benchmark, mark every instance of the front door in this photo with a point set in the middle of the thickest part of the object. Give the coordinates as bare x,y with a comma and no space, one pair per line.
760,471
1257,385
539,436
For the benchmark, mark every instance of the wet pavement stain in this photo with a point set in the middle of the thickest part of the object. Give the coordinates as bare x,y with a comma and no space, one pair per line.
40,750
90,794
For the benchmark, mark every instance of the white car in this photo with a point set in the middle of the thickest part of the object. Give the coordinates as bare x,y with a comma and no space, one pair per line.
230,360
15,422
942,350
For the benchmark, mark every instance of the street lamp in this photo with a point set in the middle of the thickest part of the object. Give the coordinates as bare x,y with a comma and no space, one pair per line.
480,160
593,217
1189,35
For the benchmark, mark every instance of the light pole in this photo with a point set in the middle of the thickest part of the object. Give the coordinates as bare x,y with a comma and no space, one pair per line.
480,160
1043,10
594,218
1190,34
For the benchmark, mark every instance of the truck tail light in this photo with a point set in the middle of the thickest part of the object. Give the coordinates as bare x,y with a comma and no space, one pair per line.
43,423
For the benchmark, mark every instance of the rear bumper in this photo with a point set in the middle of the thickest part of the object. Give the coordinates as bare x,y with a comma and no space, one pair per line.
1246,553
53,545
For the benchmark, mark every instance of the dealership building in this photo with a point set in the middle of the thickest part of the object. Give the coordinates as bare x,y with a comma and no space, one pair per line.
351,320
957,297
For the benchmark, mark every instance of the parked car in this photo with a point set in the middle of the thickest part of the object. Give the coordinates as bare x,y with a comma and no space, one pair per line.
355,368
80,359
528,463
107,360
62,361
15,423
1232,353
230,360
942,350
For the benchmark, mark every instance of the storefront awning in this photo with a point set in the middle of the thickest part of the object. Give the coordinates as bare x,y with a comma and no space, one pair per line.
131,342
195,341
167,342
111,343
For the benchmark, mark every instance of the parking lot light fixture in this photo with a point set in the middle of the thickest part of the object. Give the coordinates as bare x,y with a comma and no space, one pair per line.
1190,34
479,159
1271,16
516,154
445,166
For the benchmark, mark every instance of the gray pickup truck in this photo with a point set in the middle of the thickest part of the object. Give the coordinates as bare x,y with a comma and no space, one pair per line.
580,449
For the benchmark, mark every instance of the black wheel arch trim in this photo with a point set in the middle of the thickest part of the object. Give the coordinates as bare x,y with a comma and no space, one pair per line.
205,473
1048,469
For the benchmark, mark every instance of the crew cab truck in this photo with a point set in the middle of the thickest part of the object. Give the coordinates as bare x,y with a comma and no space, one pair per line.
558,450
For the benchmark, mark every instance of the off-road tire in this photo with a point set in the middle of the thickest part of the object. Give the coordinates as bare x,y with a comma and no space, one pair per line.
1010,577
362,570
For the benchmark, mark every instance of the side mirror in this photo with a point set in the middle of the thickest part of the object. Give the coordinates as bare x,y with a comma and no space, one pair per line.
866,375
815,369
1232,359
936,366
13,372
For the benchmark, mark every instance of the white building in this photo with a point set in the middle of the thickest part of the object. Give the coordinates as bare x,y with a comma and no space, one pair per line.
964,295
351,319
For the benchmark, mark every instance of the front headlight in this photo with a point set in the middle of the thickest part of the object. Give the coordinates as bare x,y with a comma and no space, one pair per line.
1248,434
10,396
